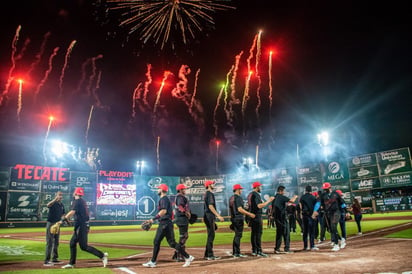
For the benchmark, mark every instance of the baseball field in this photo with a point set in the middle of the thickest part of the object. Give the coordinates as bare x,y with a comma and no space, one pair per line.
385,246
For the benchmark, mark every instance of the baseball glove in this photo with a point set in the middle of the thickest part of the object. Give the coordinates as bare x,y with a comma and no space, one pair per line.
193,218
55,229
146,225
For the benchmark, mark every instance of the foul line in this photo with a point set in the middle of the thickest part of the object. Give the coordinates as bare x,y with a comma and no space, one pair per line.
125,269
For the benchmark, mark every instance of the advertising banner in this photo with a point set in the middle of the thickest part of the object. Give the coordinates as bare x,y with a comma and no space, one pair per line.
105,212
309,175
394,161
396,180
23,206
365,184
28,177
362,160
359,173
394,204
146,194
113,177
4,178
335,171
285,177
115,194
196,191
3,203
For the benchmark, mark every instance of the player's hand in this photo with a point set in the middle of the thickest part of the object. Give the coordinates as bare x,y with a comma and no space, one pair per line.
151,221
252,215
315,214
271,199
220,218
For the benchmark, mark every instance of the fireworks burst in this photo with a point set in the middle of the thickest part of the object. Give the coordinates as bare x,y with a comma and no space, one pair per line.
157,19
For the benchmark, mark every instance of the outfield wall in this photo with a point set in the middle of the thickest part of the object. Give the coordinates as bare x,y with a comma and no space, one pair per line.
123,197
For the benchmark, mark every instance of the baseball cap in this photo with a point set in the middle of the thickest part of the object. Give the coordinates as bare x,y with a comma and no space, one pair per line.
256,184
180,187
163,187
79,191
208,183
237,186
339,192
326,186
315,193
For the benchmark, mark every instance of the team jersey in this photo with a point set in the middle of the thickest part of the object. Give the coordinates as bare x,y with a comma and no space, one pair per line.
253,199
234,203
81,209
209,200
164,203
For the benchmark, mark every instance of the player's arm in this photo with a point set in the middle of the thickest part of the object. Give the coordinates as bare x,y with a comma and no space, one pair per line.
244,212
213,209
262,205
68,216
49,204
293,199
159,215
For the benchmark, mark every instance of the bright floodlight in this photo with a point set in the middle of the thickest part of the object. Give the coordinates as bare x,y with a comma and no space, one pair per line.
140,164
323,138
59,148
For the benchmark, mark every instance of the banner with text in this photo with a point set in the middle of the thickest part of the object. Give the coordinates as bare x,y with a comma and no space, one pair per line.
23,206
394,161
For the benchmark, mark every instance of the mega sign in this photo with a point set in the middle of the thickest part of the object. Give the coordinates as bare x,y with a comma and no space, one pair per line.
31,172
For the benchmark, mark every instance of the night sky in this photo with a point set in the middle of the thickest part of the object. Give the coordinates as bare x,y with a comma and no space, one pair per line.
341,66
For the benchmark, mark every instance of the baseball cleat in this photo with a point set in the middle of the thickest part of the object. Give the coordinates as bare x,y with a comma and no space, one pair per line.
105,259
68,266
149,264
188,261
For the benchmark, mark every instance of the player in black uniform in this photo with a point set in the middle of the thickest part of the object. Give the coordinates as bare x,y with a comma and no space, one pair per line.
307,203
165,228
237,211
209,218
182,218
56,211
333,203
281,220
256,224
80,211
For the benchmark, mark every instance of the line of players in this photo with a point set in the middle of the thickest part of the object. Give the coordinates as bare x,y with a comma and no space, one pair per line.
328,209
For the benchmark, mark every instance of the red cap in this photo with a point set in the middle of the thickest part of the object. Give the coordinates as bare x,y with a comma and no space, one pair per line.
79,191
315,193
180,187
163,187
237,186
208,183
256,184
339,192
326,186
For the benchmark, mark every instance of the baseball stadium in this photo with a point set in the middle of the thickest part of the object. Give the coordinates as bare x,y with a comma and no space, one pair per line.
119,202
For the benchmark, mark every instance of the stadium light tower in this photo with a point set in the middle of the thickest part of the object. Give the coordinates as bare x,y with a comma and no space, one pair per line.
140,165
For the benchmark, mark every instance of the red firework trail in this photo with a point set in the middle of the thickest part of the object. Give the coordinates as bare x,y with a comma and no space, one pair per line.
23,49
13,64
136,97
147,84
225,99
194,90
93,75
66,61
270,84
180,90
159,92
215,111
46,74
83,78
258,55
233,99
96,87
40,53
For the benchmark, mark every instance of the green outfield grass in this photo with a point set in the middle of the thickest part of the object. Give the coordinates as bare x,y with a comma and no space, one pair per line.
405,234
